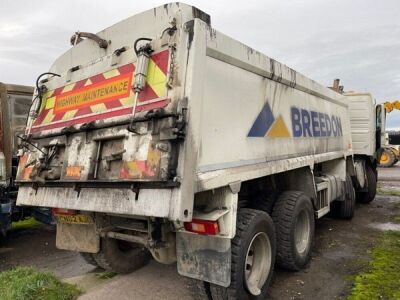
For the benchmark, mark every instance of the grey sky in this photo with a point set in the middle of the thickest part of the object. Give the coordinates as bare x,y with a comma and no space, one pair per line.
355,40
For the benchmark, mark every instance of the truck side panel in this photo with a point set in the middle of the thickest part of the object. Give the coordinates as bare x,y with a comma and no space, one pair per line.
257,111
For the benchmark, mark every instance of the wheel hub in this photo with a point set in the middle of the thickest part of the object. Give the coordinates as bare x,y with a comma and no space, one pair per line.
258,263
302,232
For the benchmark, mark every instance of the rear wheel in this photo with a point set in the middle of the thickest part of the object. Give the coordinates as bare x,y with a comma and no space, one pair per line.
294,221
345,209
253,255
199,290
369,195
263,202
88,257
120,256
387,158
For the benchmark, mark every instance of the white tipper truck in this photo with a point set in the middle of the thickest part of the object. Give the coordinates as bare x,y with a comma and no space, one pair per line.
160,135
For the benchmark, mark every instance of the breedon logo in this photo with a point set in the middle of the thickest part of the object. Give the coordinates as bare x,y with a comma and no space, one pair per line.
305,123
267,125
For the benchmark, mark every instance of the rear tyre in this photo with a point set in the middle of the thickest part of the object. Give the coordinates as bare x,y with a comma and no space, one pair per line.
294,221
345,209
199,290
263,202
88,257
253,255
120,256
369,195
387,158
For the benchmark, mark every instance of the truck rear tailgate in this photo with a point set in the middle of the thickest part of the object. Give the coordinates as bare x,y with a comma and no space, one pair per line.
103,95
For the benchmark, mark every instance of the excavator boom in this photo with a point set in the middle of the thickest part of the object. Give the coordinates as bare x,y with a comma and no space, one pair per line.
390,106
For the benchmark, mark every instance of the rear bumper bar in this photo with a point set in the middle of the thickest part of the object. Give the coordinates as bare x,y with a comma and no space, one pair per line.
125,201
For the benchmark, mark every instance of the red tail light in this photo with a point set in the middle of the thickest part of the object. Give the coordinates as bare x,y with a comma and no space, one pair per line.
63,211
202,227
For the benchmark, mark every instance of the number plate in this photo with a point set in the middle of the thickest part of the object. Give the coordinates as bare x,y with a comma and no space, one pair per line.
75,219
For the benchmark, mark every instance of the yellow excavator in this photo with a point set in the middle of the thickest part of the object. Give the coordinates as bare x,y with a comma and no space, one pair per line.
390,106
391,153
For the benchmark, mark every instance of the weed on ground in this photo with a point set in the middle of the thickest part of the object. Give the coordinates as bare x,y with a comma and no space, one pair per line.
25,283
29,223
106,275
381,279
387,192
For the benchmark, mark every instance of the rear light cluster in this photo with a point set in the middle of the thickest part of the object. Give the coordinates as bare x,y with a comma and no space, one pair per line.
63,211
202,227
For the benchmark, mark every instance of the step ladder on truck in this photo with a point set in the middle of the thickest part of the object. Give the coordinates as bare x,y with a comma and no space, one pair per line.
162,137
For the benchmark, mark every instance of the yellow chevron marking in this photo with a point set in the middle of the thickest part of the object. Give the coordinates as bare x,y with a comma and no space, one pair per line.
98,107
49,117
156,79
111,73
45,96
88,82
69,114
68,88
278,129
127,101
50,102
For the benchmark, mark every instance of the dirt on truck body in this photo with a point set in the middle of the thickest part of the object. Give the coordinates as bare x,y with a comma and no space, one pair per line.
160,135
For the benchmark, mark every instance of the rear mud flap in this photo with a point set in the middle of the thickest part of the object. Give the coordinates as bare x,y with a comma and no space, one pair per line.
204,257
78,237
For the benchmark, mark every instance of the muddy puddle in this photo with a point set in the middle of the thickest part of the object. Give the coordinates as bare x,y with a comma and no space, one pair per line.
386,226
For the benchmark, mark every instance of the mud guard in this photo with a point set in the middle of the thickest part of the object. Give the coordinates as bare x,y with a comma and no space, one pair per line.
204,257
77,237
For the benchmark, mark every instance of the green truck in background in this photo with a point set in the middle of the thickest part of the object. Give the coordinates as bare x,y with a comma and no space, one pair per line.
15,102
